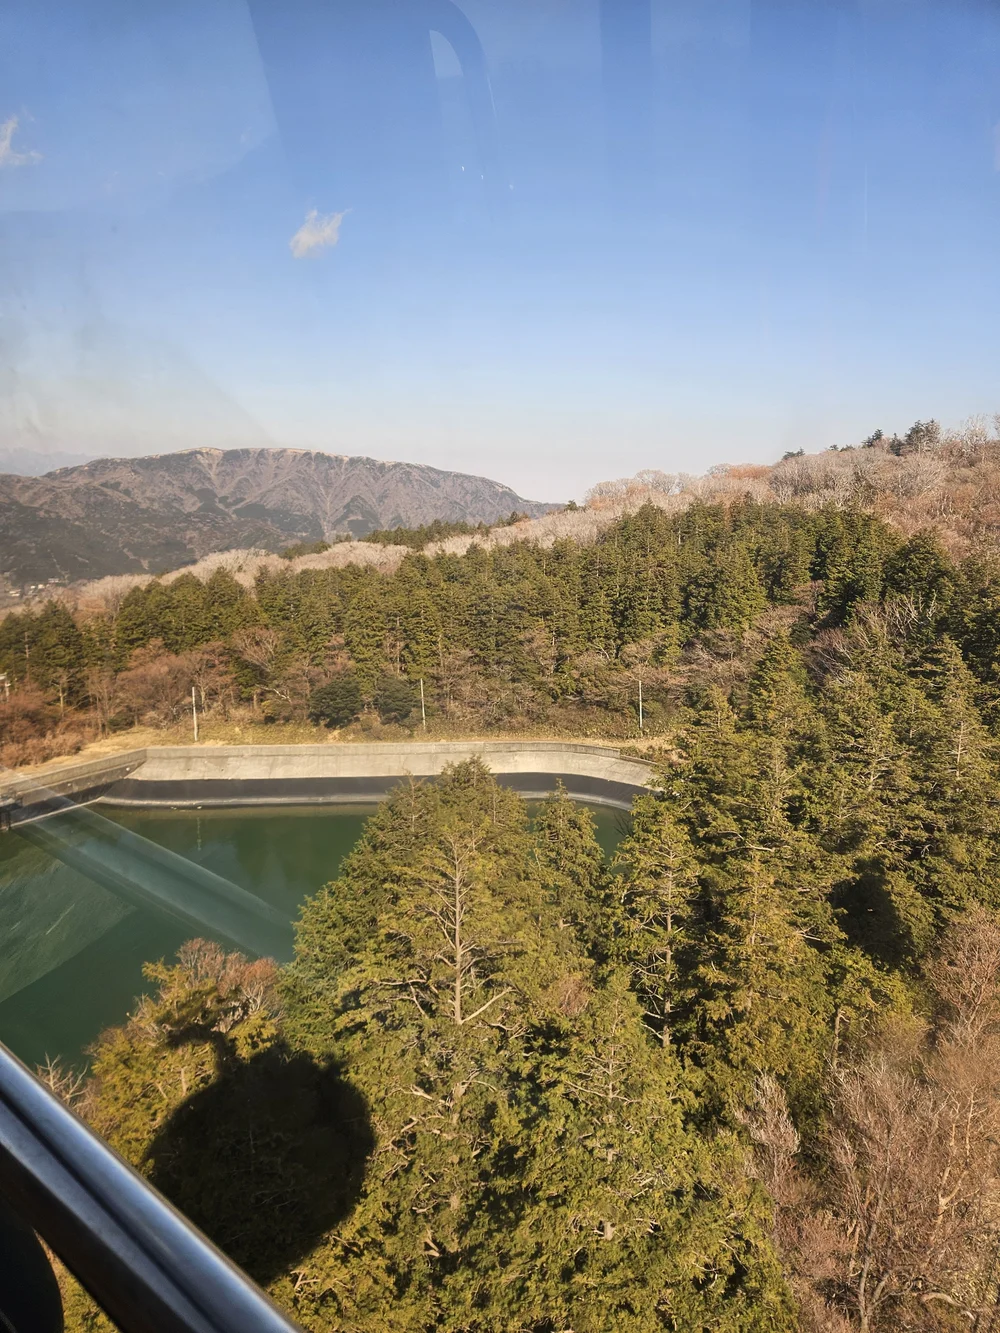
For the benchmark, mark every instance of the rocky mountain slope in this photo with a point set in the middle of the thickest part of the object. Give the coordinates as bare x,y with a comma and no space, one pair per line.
122,515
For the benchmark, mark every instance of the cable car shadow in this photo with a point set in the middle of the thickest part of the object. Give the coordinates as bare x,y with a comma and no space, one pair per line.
266,1159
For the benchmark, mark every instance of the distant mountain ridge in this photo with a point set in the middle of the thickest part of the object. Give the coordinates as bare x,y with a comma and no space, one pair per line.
129,515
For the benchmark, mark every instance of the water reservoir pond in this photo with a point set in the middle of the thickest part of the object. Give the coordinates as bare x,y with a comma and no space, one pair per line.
72,951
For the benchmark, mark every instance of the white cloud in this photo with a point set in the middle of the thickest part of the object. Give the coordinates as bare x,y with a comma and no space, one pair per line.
316,233
9,156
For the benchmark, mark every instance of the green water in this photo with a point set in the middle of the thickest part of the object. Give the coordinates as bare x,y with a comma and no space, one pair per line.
72,953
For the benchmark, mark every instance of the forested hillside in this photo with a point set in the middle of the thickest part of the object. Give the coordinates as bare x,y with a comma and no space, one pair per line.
746,1078
513,636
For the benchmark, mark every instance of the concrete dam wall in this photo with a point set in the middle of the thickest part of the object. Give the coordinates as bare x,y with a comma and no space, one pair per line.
205,775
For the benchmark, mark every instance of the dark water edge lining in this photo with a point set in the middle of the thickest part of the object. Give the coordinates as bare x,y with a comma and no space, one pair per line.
54,802
194,793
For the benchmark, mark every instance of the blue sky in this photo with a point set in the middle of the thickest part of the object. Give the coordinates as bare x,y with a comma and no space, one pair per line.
546,240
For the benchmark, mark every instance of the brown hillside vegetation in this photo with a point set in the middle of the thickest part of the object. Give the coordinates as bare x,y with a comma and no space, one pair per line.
948,480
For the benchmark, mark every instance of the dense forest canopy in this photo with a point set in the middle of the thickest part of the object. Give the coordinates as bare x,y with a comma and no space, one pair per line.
519,635
745,1078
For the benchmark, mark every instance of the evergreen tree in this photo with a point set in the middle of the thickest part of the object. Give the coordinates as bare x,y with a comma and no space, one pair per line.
656,902
865,771
851,554
420,624
364,631
337,702
564,573
727,594
57,653
920,569
646,599
720,770
228,606
954,773
144,615
16,632
395,698
760,1003
187,620
571,867
97,642
786,560
775,695
319,617
975,617
596,623
532,1168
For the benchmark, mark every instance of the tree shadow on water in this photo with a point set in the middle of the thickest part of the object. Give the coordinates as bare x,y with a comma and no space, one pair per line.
267,1158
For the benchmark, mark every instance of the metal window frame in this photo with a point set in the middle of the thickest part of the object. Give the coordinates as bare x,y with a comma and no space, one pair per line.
141,1260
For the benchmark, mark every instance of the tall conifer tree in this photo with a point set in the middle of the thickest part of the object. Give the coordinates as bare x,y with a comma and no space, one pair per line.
656,902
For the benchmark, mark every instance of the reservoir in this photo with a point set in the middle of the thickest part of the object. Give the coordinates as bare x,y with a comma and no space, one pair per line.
72,951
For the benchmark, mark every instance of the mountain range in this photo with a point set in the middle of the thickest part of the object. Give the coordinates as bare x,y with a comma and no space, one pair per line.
130,515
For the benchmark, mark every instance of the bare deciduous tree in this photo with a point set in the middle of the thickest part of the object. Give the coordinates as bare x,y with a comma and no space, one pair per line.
102,691
906,1231
259,645
211,675
285,678
61,1079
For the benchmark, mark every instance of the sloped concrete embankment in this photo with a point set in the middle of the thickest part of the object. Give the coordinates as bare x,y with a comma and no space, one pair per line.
202,775
242,775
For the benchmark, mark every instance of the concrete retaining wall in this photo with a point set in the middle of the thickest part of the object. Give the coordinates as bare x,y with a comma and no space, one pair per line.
79,780
201,775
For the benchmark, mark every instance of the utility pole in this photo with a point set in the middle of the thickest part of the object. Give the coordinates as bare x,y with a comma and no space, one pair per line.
194,713
5,682
640,703
423,710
